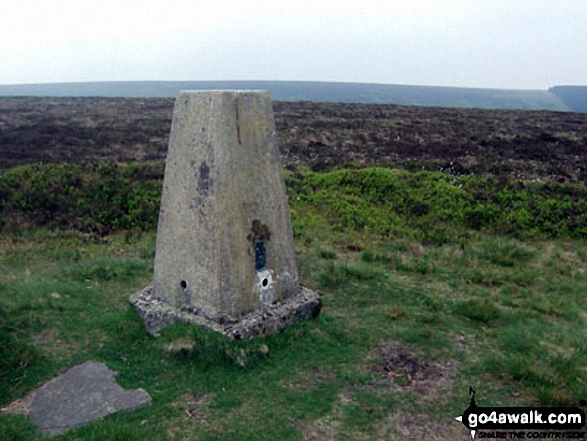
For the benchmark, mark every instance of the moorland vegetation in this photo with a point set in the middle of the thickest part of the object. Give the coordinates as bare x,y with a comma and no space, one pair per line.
448,246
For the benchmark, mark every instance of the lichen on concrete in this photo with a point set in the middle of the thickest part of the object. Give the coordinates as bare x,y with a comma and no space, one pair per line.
271,319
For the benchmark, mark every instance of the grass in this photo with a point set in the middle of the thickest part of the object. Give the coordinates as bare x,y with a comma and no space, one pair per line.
414,313
509,315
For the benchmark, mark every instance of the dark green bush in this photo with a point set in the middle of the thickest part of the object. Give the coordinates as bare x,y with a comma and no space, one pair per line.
95,198
434,208
437,208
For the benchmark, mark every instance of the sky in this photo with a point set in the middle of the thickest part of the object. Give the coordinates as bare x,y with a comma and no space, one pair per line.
513,44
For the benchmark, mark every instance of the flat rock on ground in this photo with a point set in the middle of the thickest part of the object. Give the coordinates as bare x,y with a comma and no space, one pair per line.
82,394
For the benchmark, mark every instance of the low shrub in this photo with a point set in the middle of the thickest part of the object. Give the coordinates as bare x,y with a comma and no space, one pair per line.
434,208
437,208
92,198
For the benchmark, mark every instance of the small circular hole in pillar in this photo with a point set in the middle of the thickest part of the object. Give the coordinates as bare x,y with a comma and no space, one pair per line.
184,284
265,282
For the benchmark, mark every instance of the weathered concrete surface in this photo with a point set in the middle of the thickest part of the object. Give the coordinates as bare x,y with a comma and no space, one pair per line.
270,319
225,257
82,394
224,240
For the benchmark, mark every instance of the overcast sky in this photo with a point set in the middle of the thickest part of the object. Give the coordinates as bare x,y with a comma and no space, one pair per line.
523,44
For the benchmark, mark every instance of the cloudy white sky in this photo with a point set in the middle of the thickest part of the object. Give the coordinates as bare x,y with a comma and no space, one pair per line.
525,44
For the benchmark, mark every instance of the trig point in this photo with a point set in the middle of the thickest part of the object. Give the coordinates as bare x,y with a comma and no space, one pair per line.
225,257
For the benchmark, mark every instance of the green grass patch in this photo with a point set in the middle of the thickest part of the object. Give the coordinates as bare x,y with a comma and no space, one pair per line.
440,268
513,341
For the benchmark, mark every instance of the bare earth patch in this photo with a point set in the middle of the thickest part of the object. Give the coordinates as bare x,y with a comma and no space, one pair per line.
326,428
19,407
308,380
196,406
193,415
49,343
420,427
193,406
397,366
323,429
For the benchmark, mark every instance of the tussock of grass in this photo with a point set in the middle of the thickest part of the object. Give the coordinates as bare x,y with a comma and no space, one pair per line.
17,353
335,274
504,252
483,311
326,253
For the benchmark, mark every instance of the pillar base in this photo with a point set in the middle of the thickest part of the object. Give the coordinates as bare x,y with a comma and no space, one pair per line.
271,319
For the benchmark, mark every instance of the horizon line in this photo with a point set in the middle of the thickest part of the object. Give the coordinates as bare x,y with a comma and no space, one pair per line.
283,81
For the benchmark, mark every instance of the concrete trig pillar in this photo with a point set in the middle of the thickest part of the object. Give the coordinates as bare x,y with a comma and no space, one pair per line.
225,256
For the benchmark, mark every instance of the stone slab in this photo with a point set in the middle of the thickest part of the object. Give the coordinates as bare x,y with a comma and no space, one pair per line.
83,393
273,318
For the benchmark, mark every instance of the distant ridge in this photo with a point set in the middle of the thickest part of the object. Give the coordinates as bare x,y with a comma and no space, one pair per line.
316,91
573,96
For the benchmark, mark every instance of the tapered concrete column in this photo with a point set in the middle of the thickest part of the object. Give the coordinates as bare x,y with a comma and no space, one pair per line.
225,247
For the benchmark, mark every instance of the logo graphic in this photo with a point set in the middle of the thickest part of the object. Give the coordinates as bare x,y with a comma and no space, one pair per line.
542,421
472,405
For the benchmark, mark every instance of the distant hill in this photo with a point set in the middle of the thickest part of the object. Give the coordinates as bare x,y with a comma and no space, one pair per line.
317,91
573,96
